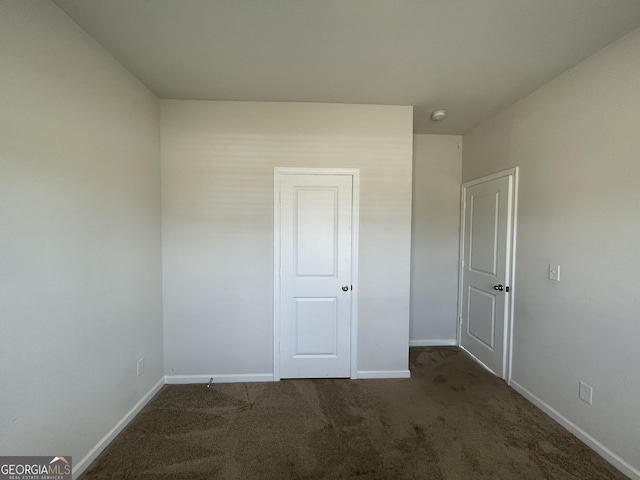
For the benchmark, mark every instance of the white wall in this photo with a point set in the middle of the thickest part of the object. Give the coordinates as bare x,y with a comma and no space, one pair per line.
217,190
80,257
437,172
577,142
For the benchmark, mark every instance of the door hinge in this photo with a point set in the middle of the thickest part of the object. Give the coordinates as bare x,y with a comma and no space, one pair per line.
279,347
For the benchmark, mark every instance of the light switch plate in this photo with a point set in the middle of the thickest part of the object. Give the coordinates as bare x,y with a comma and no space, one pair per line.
140,366
554,272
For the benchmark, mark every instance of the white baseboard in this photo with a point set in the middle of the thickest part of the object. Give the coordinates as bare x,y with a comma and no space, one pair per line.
243,377
81,466
366,374
452,342
626,468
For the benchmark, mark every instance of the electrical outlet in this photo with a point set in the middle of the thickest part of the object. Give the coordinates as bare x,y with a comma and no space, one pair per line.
554,272
586,393
140,366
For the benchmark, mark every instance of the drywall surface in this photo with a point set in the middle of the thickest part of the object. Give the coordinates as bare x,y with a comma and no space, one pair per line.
577,143
217,224
435,232
80,257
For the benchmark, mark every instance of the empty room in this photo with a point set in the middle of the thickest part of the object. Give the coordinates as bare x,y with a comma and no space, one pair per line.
319,239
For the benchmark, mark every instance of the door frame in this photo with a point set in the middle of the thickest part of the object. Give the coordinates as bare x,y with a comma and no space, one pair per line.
278,173
512,224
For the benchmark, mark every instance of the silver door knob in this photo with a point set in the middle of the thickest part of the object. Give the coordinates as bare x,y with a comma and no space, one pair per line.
345,288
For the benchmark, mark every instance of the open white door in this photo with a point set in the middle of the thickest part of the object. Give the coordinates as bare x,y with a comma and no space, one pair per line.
315,294
488,206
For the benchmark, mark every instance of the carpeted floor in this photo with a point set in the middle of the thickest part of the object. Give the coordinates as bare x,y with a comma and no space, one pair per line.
451,420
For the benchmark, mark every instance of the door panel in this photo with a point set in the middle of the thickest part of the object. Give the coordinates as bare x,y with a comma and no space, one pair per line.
315,231
482,317
315,262
485,265
483,234
316,327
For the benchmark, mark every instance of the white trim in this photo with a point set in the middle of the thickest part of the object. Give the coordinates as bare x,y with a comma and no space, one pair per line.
493,176
512,274
217,378
433,343
355,239
460,265
104,442
278,172
370,374
615,460
512,222
276,272
316,171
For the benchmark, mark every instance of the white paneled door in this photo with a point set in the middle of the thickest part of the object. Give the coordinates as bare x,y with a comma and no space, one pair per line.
315,275
485,271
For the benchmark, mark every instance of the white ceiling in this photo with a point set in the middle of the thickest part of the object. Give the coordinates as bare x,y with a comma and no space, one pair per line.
471,57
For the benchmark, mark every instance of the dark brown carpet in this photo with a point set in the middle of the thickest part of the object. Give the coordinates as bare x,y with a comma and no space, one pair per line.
451,420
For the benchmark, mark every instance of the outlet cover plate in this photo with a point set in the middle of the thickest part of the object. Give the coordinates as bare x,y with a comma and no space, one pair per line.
586,393
140,366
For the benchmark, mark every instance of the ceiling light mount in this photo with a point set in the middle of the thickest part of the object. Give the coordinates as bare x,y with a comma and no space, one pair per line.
438,115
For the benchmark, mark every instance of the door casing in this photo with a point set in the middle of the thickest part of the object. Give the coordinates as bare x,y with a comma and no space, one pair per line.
278,173
512,223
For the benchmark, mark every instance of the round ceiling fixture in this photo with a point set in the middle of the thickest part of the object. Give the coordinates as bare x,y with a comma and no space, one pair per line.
438,115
